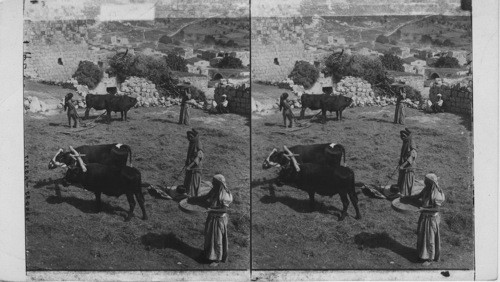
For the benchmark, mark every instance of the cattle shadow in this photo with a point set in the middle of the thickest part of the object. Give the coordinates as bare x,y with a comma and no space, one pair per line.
171,241
271,124
301,205
47,182
164,120
88,206
380,120
383,240
57,124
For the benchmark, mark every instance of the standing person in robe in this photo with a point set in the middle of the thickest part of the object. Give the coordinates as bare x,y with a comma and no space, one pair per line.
216,240
184,114
429,237
193,164
68,105
399,114
285,107
407,163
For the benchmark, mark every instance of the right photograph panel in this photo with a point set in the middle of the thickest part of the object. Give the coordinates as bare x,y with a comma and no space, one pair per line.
362,136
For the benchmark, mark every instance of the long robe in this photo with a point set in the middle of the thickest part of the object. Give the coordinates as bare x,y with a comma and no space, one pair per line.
429,238
184,114
216,239
192,178
287,112
399,114
407,176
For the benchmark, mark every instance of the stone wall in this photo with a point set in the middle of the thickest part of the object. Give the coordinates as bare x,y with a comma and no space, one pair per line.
238,97
277,43
456,98
56,48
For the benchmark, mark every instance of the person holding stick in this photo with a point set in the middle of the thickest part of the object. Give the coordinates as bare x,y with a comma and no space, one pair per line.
407,163
428,233
287,111
193,164
68,105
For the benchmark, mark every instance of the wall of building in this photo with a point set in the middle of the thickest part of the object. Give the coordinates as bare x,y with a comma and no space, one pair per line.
238,97
276,38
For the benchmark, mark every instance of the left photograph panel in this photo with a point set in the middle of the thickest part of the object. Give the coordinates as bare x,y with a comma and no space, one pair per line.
137,135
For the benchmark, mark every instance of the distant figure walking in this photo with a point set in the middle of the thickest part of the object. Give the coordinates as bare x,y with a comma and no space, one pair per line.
184,114
407,162
285,107
68,105
428,234
193,164
399,115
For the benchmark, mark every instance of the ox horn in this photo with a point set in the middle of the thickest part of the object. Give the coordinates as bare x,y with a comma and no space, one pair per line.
80,161
55,156
294,161
268,157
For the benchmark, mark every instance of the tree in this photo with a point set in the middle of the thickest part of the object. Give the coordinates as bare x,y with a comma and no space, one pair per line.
340,65
88,74
209,39
304,74
229,62
447,62
165,39
382,39
426,39
176,62
392,62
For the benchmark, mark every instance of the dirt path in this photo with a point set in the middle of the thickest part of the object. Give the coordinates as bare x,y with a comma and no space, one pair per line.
64,233
286,234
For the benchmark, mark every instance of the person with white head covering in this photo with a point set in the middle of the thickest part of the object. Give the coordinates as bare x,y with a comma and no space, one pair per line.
216,240
428,233
437,106
222,105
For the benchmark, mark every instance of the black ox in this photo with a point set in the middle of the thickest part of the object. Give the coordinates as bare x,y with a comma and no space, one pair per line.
110,103
324,154
325,102
108,180
106,154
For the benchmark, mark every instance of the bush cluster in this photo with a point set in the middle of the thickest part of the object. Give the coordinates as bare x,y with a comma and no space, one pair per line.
123,65
340,65
176,63
447,62
229,62
392,62
304,74
88,74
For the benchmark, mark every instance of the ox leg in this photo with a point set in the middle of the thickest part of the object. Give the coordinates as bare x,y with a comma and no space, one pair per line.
338,116
140,199
302,112
98,201
324,116
131,202
87,110
125,115
311,200
345,205
109,115
354,201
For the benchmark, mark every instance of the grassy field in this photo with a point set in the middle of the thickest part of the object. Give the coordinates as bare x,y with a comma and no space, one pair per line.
287,235
66,234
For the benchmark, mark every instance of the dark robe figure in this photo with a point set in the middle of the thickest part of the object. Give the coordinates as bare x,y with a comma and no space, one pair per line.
285,107
399,114
407,162
68,105
216,239
437,107
184,114
193,164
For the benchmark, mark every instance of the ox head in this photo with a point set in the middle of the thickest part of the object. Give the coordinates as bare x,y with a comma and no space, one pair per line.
275,159
59,160
129,102
346,101
75,172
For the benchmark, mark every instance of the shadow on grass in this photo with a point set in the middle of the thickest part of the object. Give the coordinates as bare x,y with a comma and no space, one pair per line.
170,241
383,240
164,120
48,182
300,205
380,120
86,206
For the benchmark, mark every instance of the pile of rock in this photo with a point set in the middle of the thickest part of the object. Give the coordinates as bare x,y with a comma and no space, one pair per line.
34,105
142,89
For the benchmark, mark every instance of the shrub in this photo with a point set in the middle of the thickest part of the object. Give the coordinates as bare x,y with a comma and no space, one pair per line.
176,63
165,39
304,74
342,65
229,62
88,74
447,62
124,65
197,94
392,62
